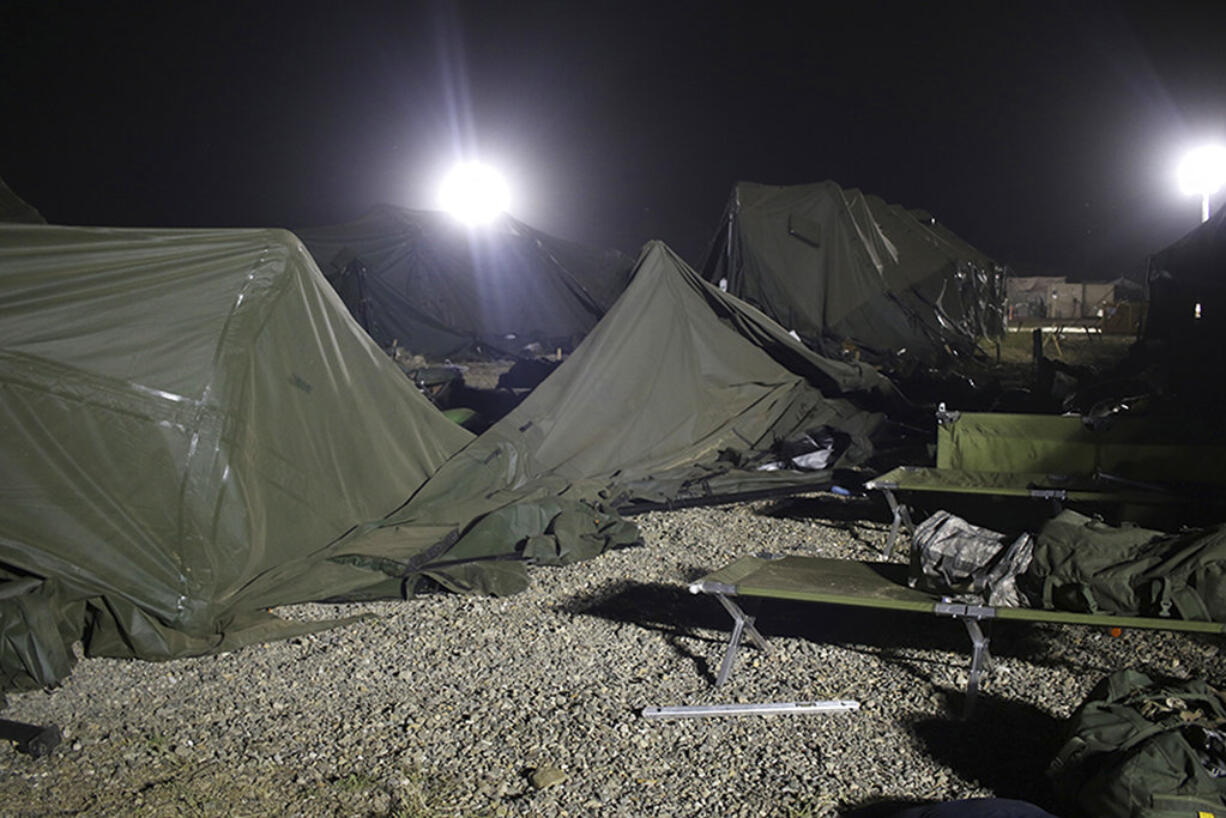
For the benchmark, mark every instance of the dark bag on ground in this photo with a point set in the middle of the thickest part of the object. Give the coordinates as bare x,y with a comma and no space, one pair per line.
1084,565
1140,747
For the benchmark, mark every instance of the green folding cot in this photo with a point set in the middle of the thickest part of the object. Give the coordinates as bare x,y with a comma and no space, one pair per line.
883,585
1126,462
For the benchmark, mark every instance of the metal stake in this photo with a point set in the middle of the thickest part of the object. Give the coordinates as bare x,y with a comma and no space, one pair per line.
762,709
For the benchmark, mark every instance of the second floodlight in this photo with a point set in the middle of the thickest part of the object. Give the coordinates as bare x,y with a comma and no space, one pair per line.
1203,172
474,193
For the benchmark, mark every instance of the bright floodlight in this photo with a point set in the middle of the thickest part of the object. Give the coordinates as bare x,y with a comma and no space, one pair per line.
1203,172
474,193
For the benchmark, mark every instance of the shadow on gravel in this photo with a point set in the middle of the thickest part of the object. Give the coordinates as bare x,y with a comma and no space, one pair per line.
851,516
876,809
1012,768
870,508
1006,747
667,609
891,636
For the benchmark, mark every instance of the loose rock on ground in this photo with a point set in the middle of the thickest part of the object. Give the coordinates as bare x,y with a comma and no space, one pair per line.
530,705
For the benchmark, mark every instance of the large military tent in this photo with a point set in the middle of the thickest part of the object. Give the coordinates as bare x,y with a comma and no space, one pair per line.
1030,296
190,418
1187,285
1186,319
421,280
681,391
844,269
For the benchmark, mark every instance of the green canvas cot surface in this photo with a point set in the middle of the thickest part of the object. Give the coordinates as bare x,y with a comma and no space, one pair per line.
188,420
838,266
1014,484
423,281
1132,451
884,585
1129,460
1125,461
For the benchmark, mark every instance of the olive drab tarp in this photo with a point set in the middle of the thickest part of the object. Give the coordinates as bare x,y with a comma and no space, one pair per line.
190,419
839,268
422,281
680,391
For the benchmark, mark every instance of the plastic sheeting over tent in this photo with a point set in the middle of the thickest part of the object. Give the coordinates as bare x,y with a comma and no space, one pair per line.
840,267
190,420
195,431
681,391
421,280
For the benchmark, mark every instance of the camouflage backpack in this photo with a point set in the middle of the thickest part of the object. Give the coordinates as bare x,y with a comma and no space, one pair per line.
951,557
1140,747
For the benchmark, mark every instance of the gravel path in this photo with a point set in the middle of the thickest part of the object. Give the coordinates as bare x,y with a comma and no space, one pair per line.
450,705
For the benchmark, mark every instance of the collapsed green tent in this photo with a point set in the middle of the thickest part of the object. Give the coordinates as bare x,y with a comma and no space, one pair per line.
190,420
422,281
842,268
195,431
681,391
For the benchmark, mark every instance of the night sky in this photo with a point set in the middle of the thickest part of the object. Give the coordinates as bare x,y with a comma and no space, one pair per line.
1044,133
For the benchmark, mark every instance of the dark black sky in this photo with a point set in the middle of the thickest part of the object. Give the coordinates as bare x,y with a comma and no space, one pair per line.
1044,133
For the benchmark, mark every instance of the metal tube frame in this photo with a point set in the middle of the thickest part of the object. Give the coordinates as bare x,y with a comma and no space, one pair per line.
970,616
742,624
981,655
902,516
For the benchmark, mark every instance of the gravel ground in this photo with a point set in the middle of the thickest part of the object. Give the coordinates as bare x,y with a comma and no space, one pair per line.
531,705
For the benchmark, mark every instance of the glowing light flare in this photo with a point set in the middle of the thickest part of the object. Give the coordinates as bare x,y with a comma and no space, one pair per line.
1202,173
474,193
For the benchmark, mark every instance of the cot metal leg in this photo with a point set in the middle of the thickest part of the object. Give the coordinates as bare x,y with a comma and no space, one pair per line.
902,517
981,662
981,657
742,624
